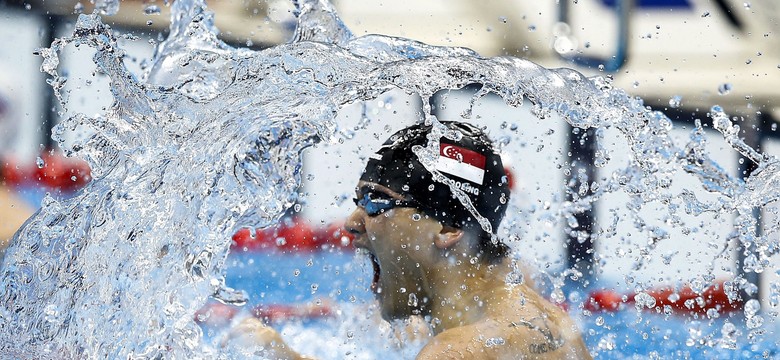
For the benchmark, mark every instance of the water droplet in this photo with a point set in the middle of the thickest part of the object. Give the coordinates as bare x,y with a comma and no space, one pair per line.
675,101
752,307
495,341
405,187
724,88
713,313
296,272
608,342
705,14
746,4
644,299
152,10
636,84
674,297
412,300
416,217
39,162
557,296
107,7
78,8
755,322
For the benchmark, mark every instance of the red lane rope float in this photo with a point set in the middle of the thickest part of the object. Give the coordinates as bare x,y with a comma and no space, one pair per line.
684,301
58,172
293,234
283,312
217,314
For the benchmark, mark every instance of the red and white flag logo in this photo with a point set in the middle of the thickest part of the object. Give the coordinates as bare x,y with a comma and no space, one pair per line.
461,162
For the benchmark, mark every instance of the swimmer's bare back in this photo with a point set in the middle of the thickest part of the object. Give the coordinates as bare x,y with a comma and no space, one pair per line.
536,329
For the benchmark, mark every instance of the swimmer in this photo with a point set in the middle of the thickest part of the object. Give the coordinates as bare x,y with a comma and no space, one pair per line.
432,258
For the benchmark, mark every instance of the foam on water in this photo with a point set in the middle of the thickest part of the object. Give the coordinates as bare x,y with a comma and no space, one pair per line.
209,139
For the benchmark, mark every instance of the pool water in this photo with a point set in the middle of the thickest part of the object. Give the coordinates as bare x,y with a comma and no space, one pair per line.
339,280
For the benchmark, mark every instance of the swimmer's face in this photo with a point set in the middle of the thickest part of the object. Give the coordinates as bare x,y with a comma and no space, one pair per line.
400,243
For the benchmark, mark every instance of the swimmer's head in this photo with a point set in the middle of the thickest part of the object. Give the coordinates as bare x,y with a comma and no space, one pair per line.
470,163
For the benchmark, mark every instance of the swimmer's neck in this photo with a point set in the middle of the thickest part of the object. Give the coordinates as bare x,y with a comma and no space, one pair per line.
463,295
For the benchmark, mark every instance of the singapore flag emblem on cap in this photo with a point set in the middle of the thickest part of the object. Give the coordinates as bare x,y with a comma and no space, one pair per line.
461,162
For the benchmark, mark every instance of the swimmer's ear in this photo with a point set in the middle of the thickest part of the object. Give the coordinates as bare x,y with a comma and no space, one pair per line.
447,237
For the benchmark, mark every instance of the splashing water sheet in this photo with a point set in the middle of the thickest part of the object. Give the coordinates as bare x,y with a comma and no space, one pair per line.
209,139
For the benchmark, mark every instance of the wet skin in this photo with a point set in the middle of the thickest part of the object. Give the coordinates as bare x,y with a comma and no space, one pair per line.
474,313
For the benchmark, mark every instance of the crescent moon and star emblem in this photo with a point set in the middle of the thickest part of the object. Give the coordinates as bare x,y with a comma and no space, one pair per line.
453,153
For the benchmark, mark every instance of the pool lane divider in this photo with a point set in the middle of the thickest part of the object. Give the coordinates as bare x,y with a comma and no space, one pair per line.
216,314
683,301
52,170
293,234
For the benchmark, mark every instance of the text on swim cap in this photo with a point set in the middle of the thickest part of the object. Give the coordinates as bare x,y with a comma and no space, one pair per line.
466,187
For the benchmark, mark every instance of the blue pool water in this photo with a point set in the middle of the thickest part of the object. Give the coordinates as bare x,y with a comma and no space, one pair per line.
273,278
280,278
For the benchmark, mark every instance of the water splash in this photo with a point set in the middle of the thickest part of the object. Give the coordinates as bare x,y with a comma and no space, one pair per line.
209,139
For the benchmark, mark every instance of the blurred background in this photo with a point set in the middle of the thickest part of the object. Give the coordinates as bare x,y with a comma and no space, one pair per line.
680,56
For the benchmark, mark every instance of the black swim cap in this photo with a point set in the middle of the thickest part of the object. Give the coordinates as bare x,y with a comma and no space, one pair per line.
471,163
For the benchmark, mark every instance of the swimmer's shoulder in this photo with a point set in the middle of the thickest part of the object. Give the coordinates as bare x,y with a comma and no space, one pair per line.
532,335
542,330
457,343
